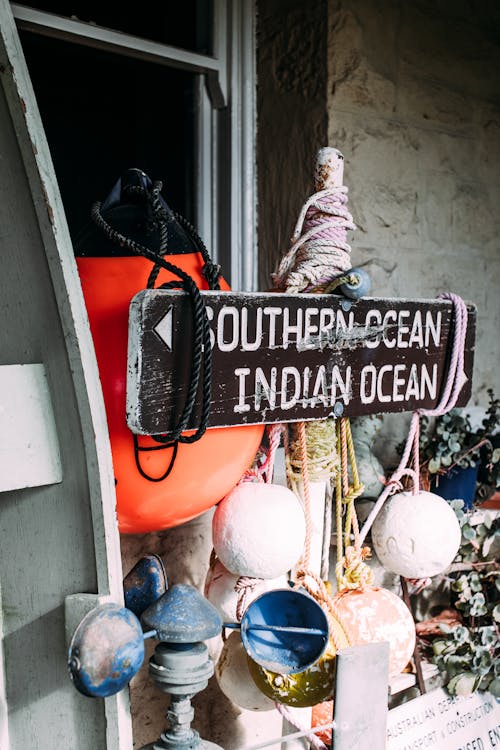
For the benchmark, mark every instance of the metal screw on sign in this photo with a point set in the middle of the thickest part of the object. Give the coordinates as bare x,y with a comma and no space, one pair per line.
338,409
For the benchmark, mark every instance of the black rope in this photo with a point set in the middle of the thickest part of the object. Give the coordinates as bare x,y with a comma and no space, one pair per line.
139,448
211,271
202,350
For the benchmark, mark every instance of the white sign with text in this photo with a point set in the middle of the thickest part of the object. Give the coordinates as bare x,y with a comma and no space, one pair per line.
440,721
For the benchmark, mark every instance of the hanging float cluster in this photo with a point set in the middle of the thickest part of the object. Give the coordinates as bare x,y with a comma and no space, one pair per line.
261,531
254,550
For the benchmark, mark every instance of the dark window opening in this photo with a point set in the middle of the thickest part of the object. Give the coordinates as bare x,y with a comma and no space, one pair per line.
103,113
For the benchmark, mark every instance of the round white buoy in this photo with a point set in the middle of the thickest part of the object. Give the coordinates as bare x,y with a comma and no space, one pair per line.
235,680
259,530
416,536
224,589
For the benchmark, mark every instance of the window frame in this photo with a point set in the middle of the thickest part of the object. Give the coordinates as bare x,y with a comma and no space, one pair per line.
225,121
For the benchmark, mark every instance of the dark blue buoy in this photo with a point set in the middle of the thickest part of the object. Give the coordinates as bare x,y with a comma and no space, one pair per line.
284,631
182,615
144,584
106,651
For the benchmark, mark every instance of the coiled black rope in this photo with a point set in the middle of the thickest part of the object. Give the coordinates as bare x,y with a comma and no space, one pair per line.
201,364
211,271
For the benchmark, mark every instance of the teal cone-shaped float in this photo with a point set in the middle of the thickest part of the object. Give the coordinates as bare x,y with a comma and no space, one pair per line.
182,615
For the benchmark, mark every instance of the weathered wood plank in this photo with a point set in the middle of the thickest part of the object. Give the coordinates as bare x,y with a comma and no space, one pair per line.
29,449
281,357
63,538
360,705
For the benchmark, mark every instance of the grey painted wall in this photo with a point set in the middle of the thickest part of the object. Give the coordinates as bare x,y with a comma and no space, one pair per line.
58,535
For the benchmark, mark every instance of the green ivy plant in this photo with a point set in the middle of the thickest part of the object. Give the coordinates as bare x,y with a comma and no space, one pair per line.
468,656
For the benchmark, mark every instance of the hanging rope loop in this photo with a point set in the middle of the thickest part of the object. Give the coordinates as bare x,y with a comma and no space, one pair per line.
244,587
351,570
263,469
453,385
201,362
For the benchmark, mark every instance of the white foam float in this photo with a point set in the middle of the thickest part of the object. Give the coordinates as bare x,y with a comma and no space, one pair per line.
259,530
416,536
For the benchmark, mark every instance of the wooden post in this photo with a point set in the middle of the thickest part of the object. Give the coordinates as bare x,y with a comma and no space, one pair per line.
328,173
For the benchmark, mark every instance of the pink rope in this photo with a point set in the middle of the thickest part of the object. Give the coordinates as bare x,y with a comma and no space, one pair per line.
315,741
264,472
453,386
274,437
334,232
244,586
320,251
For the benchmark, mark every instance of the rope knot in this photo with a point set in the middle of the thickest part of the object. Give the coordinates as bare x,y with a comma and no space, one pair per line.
244,586
353,493
252,475
352,571
314,586
212,272
393,484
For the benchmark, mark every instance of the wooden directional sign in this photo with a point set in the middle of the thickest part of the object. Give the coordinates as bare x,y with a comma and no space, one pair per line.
283,357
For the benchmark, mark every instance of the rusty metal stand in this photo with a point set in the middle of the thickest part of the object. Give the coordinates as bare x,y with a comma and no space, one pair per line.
416,654
182,670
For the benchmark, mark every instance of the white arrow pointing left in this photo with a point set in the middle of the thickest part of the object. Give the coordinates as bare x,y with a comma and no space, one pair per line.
164,328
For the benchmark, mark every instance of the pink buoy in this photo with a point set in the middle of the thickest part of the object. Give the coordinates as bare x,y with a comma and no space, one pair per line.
374,615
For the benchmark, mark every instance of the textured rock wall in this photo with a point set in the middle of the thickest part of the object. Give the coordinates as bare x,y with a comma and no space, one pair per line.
414,104
292,123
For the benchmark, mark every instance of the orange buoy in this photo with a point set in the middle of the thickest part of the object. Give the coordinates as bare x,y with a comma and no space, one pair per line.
373,615
203,472
322,714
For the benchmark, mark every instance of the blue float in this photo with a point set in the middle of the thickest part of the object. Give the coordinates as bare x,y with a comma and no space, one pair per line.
284,631
144,584
182,615
106,651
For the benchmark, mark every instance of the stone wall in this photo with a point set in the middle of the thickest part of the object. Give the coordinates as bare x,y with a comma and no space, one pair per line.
291,117
414,104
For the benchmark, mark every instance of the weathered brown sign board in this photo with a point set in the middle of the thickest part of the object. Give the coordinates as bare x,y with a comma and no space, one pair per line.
283,357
